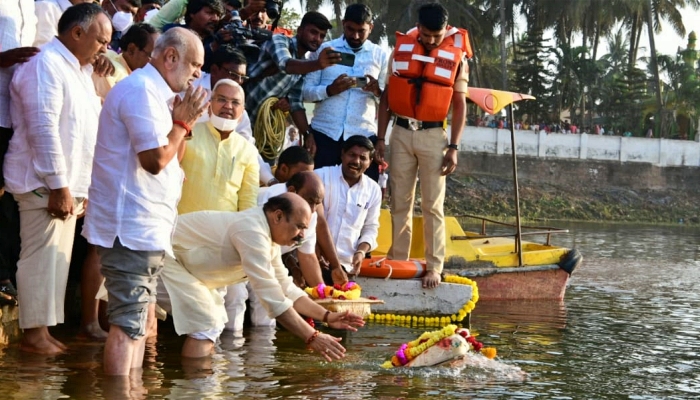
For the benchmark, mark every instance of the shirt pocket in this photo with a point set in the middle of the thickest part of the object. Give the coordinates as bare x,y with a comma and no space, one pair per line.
356,213
234,175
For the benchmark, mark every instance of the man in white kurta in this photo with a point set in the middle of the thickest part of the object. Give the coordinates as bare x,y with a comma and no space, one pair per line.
136,185
307,185
214,249
352,203
47,168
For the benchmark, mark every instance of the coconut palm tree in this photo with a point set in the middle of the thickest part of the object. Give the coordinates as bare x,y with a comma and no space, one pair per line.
651,13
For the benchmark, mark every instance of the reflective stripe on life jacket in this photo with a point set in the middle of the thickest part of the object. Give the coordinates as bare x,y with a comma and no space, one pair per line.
421,84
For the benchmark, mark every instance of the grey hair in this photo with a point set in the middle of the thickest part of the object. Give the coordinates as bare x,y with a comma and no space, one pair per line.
82,15
174,37
227,82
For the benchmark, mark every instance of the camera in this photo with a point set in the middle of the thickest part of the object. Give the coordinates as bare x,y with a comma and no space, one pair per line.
242,37
273,8
240,33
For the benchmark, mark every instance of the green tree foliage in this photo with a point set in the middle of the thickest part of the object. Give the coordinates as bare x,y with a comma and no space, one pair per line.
559,71
289,19
622,97
531,76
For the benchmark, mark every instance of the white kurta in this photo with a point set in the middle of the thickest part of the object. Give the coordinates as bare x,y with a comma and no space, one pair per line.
214,249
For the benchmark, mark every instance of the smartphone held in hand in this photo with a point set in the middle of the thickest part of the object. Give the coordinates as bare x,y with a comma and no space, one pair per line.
347,59
361,81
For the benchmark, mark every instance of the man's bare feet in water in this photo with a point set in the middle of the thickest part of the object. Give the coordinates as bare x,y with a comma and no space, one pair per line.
40,341
92,331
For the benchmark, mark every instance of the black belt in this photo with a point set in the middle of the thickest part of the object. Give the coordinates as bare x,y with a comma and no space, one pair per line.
419,125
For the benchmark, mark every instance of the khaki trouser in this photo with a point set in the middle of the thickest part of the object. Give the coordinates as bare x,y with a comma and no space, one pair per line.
44,260
418,154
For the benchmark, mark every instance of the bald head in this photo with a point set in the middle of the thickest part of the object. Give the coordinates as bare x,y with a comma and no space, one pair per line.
309,186
288,215
178,55
299,206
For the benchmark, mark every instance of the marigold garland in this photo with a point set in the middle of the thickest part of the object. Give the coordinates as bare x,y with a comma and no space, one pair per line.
411,350
413,320
347,291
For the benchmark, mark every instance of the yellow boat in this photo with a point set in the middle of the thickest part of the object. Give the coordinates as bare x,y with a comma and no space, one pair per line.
493,261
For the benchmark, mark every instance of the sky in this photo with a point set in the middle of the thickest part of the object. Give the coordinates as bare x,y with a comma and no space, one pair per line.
667,41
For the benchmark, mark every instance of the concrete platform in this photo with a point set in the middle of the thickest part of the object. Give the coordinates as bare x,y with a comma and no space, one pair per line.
407,296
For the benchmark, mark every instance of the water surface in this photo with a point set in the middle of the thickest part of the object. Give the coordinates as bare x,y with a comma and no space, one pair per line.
629,327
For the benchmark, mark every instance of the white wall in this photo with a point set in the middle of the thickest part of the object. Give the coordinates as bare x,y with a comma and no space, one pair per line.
660,152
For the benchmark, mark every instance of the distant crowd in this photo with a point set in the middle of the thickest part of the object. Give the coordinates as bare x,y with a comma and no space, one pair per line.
564,127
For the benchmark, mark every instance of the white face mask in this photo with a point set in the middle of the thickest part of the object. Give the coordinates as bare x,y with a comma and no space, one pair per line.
150,14
223,124
121,21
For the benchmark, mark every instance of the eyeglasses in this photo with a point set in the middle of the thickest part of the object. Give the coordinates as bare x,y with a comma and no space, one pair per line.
223,101
237,77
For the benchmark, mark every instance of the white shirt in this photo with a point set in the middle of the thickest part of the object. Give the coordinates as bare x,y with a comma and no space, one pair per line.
20,15
48,12
244,128
55,113
308,246
354,111
288,141
126,201
352,212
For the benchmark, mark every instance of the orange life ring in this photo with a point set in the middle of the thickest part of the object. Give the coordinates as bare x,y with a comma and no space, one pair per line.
381,267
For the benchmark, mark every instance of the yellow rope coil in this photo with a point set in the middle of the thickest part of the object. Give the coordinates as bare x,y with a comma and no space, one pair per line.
269,130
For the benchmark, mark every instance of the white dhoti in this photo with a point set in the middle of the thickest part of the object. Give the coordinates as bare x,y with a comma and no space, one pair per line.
195,307
42,269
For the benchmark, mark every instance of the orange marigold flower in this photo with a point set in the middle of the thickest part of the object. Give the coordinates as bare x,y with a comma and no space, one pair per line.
489,352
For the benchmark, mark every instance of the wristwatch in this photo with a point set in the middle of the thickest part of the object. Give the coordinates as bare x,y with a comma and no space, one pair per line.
453,146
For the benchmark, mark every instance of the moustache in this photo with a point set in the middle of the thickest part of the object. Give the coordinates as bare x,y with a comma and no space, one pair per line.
298,240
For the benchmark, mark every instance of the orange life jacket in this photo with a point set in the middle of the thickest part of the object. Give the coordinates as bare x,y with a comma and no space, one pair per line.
281,30
421,84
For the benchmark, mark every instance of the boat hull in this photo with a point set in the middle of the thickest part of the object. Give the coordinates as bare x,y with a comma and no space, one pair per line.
547,282
491,262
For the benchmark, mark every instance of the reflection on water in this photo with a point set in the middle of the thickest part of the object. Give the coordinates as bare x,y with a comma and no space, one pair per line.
628,328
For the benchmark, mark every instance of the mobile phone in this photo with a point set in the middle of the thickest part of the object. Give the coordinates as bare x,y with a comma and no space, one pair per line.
360,82
347,59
